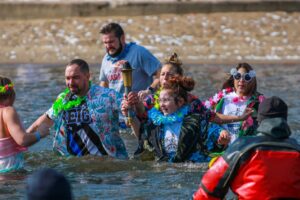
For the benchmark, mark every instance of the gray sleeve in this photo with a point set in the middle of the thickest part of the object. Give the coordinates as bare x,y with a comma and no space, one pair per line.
102,76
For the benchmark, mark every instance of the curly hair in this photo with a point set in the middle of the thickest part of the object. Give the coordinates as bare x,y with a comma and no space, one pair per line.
180,86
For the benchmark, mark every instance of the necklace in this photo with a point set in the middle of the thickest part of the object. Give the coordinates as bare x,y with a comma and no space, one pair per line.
158,118
213,101
63,102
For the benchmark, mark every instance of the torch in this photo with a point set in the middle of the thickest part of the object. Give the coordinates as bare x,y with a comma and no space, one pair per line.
127,81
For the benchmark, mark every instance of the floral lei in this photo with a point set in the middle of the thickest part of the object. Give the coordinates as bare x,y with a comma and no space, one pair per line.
213,101
248,125
63,103
159,118
121,55
5,88
156,99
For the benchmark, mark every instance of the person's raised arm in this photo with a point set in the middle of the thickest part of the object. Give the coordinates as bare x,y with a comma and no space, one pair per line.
17,131
224,119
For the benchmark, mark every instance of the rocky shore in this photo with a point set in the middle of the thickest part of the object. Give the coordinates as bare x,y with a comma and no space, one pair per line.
215,37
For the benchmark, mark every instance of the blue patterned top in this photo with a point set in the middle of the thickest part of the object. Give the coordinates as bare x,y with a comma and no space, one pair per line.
92,127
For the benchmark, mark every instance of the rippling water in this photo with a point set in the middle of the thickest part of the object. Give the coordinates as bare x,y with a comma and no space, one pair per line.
106,178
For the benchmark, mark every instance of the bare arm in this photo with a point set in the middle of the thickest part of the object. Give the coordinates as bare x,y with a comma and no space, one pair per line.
224,119
104,84
135,125
17,131
42,120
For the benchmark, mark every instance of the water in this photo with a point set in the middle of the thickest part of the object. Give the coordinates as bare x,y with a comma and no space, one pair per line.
106,178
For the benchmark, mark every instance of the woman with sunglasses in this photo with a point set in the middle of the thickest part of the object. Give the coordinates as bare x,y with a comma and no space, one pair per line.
216,133
239,92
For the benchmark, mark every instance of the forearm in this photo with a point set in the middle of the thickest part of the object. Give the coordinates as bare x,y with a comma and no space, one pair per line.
43,119
225,119
135,125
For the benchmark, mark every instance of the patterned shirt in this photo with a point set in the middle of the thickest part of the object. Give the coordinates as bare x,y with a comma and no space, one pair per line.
92,127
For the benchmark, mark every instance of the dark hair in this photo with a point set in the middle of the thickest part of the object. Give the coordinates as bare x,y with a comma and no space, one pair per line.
176,63
252,85
84,67
112,27
10,92
180,86
48,184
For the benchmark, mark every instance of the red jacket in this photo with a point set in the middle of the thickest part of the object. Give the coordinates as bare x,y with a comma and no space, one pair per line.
260,167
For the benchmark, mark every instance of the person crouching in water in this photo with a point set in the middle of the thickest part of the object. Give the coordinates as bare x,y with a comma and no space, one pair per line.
13,138
173,133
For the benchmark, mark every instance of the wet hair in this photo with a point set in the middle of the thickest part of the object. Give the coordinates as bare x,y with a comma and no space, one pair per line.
176,63
84,67
112,27
252,85
10,92
180,86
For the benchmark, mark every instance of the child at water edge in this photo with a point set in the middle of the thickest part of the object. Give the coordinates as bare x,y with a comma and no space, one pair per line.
173,131
13,138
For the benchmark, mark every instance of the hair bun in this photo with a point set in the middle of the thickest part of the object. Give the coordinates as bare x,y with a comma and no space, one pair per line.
174,59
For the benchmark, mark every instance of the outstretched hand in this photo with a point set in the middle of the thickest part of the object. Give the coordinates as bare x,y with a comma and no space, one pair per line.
248,112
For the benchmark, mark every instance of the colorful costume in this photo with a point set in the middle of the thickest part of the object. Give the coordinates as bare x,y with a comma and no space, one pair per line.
144,66
227,102
177,137
11,156
262,167
89,126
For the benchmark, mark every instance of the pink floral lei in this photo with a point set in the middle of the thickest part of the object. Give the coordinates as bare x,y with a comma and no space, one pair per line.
212,101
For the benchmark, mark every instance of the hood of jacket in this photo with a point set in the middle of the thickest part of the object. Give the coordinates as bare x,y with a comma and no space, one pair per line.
275,127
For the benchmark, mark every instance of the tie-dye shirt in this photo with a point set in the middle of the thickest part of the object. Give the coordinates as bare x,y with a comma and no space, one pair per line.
92,128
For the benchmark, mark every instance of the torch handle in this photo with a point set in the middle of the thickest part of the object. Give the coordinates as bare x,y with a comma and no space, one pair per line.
130,115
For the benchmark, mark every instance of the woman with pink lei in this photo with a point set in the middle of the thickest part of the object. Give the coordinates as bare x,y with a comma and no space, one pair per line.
13,138
239,92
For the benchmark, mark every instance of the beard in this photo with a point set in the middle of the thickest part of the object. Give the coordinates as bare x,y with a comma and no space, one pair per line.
118,51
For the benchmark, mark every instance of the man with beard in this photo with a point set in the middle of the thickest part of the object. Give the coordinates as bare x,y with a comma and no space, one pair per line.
145,65
85,115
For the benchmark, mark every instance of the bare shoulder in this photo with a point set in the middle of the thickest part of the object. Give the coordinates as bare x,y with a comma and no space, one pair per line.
9,111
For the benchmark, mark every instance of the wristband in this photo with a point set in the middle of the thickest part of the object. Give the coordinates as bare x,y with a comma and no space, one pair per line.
151,89
37,136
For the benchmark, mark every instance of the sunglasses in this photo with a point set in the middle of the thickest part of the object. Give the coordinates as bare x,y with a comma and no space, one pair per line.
246,77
